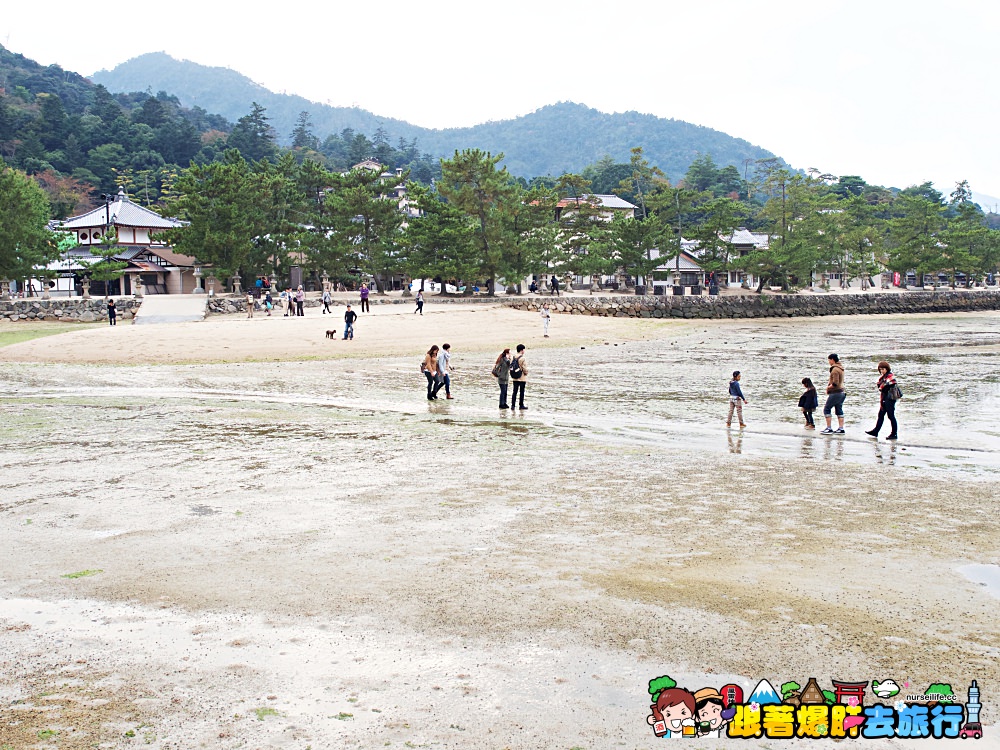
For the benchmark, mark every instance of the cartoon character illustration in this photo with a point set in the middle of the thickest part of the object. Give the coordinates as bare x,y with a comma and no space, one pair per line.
711,713
885,688
673,710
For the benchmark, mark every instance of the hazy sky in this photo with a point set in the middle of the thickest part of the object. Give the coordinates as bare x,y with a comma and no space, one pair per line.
896,91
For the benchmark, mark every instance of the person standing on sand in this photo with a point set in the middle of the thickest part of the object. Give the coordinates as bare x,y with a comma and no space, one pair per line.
886,404
835,395
736,400
809,402
112,313
501,371
365,307
444,369
519,374
286,301
250,303
546,319
300,300
420,303
429,368
327,299
349,317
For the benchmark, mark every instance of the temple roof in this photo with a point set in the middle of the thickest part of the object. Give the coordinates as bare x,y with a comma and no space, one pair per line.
123,213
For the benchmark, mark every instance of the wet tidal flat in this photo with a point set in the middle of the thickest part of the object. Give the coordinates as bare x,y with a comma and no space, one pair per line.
309,554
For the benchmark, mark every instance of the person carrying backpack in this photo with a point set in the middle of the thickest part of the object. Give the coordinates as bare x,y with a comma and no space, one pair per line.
889,393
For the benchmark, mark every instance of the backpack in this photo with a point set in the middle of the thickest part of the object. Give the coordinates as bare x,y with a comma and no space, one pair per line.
515,368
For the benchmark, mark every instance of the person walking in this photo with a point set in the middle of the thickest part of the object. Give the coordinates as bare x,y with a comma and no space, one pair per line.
519,375
501,371
112,312
300,300
268,303
546,319
887,404
420,303
250,303
736,400
444,369
809,402
365,307
835,395
555,285
349,317
327,299
429,368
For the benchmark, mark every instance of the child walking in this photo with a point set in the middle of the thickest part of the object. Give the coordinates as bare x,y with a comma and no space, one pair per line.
736,400
809,402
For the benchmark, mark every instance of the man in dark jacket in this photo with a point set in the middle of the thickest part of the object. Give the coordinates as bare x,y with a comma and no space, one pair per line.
349,317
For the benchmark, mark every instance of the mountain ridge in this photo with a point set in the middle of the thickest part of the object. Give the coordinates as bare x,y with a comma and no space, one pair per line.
556,138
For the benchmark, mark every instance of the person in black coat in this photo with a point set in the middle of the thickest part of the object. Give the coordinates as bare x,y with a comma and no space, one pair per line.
809,402
349,317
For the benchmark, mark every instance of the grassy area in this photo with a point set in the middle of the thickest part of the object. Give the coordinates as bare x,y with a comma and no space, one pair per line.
15,333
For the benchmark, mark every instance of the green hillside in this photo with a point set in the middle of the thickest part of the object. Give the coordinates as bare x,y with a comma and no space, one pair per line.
555,139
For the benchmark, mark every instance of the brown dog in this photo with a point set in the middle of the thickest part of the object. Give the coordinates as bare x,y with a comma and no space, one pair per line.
331,334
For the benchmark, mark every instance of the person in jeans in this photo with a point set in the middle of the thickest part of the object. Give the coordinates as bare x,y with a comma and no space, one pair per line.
835,395
886,405
300,300
502,370
420,303
365,307
349,317
430,370
444,369
736,400
520,382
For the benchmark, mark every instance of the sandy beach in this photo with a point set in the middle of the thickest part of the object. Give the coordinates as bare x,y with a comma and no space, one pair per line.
239,533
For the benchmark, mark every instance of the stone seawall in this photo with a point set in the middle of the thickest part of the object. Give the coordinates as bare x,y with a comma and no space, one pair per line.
231,304
71,310
765,306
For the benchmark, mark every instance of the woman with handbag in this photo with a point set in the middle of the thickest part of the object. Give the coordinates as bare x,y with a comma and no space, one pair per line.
501,371
889,393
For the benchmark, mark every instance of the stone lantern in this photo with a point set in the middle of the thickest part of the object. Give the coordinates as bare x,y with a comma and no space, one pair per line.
197,281
237,287
212,281
138,286
86,287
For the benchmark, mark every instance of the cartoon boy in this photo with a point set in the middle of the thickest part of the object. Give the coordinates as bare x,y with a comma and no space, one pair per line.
674,708
711,713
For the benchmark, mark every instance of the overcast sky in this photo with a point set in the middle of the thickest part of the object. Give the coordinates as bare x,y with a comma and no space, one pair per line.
896,91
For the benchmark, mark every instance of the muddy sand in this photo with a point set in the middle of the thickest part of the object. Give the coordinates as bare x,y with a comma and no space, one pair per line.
240,534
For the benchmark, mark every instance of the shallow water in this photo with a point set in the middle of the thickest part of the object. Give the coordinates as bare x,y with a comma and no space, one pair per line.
670,393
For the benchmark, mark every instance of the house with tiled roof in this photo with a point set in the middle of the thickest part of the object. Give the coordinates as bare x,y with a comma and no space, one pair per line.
148,259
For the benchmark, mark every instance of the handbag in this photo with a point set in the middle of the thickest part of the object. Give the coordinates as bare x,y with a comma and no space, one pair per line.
496,370
895,392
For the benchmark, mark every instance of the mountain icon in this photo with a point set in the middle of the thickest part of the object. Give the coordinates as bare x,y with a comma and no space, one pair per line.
764,694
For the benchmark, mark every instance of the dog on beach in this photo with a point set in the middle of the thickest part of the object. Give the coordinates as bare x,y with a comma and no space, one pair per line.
331,334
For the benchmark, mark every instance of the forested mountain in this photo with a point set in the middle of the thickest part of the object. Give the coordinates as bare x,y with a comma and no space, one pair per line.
555,139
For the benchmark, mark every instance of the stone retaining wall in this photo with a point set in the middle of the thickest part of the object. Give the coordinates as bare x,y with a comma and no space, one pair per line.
765,306
73,310
228,305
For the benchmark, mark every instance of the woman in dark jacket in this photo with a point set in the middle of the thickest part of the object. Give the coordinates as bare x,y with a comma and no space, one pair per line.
502,370
887,405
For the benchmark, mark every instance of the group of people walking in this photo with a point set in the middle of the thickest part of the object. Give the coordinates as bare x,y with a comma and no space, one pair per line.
836,394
